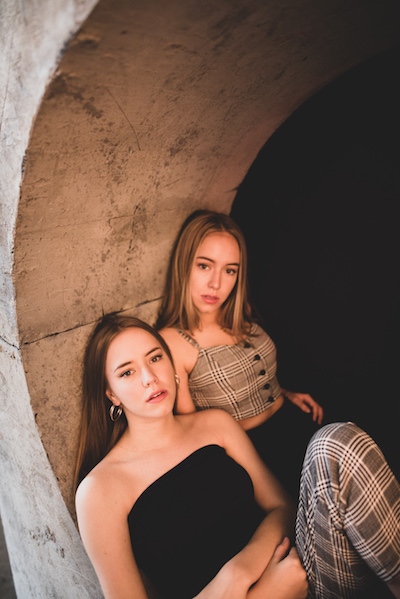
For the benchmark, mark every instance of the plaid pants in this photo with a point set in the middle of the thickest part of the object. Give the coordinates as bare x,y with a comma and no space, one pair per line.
348,519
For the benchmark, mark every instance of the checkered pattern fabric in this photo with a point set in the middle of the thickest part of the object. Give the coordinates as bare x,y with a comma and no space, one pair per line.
348,520
240,378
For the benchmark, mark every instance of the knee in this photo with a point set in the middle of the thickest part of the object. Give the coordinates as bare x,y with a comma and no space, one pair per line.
340,439
342,432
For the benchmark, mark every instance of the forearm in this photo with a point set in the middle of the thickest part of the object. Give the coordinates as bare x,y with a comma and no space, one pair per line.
252,560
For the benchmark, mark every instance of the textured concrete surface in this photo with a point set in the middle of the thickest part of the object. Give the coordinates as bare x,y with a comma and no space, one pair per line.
7,590
149,111
123,149
44,548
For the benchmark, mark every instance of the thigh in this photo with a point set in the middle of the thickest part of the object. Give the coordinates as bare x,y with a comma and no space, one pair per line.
348,514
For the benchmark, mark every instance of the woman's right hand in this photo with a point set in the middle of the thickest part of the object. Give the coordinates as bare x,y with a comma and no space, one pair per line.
284,577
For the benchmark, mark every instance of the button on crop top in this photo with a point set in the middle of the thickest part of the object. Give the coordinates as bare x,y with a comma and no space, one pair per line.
240,379
192,520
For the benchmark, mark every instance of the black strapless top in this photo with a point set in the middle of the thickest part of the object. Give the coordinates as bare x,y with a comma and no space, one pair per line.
192,520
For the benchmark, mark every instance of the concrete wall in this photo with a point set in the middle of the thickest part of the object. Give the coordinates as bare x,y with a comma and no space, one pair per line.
155,108
45,552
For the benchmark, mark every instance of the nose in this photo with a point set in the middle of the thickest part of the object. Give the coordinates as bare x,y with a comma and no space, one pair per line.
148,377
215,280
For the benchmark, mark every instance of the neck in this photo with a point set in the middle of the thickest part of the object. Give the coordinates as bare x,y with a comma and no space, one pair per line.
209,321
150,435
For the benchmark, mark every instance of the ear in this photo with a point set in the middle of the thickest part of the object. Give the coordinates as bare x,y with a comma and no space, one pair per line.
109,394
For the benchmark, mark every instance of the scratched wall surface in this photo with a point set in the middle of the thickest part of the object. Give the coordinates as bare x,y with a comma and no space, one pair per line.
46,556
154,109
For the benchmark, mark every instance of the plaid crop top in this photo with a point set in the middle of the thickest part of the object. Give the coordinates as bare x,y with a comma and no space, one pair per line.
240,379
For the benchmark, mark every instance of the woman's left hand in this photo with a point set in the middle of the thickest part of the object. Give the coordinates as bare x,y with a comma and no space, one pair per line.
306,403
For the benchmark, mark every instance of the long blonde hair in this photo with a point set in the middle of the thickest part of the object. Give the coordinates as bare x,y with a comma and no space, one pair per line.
177,309
98,434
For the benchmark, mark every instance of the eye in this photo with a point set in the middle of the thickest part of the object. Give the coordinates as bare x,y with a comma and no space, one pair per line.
232,271
203,266
156,358
127,373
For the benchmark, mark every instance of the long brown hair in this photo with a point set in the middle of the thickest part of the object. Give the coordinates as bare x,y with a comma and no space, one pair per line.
177,309
98,434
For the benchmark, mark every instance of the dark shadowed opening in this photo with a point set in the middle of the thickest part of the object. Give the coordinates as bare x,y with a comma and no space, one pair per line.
320,210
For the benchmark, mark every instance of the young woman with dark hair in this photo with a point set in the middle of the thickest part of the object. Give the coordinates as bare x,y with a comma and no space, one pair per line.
185,501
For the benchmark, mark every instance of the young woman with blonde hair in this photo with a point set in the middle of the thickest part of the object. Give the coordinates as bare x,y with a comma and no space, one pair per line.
223,356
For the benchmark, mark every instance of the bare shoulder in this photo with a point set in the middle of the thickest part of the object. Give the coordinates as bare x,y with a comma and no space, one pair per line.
211,426
217,421
171,336
91,501
107,484
97,486
214,415
183,352
165,331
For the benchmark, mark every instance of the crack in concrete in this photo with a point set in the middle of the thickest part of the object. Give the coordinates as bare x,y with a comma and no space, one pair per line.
78,326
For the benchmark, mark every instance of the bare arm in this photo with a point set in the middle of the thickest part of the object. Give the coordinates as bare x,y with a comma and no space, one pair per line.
104,531
283,578
249,566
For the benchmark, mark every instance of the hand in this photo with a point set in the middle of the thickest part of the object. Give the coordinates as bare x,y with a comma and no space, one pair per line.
306,403
284,577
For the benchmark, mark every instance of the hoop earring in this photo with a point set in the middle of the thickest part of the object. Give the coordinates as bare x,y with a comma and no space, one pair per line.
115,412
177,380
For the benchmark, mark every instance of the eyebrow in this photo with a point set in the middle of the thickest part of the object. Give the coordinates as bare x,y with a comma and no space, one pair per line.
210,260
157,348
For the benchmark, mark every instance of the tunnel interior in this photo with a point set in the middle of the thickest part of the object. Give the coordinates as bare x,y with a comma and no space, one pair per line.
320,209
151,111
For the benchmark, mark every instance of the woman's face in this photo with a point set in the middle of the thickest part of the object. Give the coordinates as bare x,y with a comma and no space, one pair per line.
214,271
139,374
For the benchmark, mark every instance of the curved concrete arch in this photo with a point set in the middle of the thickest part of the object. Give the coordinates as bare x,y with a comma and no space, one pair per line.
46,556
155,109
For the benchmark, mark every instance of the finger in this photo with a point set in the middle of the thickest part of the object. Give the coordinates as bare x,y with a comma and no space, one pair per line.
317,416
293,552
281,550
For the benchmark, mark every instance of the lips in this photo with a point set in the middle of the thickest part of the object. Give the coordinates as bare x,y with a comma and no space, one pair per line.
156,397
210,299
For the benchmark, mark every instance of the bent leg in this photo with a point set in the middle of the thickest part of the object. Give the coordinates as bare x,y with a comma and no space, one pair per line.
348,519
